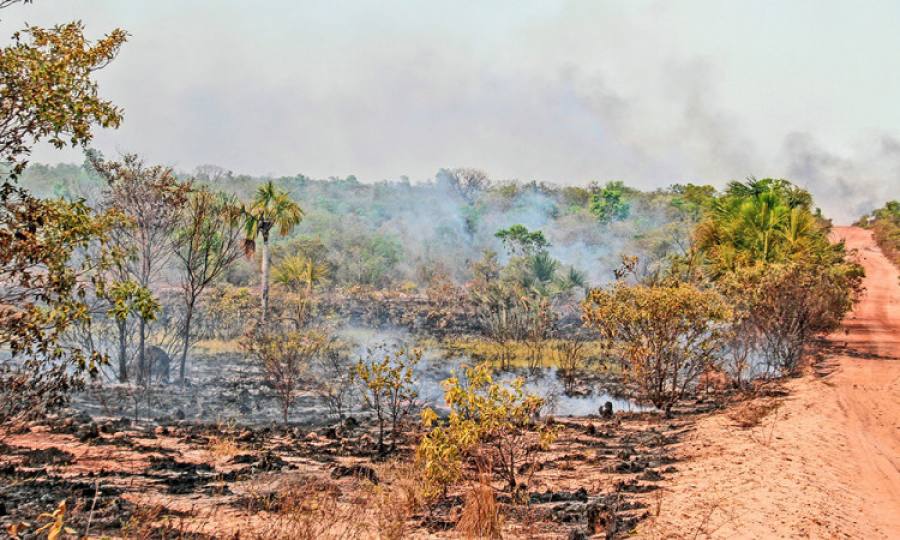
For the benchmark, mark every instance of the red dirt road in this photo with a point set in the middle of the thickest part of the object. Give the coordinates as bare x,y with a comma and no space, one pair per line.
826,463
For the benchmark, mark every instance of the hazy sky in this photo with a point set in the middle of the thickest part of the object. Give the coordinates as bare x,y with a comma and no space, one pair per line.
649,92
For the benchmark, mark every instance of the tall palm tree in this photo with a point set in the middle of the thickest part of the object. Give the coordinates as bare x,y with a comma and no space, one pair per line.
271,208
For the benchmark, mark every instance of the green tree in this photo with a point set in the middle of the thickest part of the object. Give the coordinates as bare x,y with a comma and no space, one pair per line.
296,271
608,204
761,245
518,240
768,221
127,298
44,294
152,198
207,242
885,225
271,209
483,414
693,199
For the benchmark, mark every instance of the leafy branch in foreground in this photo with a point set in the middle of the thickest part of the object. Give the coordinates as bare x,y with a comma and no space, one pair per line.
47,90
44,294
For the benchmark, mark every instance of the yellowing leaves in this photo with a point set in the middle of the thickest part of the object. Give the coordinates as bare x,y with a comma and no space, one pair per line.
483,413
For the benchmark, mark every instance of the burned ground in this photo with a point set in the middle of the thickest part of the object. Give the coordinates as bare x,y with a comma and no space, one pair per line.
218,480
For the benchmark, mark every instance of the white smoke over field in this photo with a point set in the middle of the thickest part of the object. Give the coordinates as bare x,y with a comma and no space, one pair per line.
647,92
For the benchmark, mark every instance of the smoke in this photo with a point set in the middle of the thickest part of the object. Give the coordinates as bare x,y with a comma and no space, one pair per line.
646,92
849,185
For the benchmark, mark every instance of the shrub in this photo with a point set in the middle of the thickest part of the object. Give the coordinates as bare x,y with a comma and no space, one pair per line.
666,335
334,372
486,417
788,304
285,358
885,225
388,387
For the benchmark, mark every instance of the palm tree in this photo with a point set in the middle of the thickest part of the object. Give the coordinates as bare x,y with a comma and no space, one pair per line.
271,208
300,270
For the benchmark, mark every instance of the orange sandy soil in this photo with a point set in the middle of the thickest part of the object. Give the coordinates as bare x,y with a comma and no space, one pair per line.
826,462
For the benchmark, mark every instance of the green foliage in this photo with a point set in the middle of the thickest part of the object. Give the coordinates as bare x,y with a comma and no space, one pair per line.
515,303
885,225
48,91
766,221
206,237
368,259
45,294
298,272
207,242
518,240
484,414
387,381
693,199
271,208
386,233
665,334
542,267
128,298
608,204
152,198
761,244
227,310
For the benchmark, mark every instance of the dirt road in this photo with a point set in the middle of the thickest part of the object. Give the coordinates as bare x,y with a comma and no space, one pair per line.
826,463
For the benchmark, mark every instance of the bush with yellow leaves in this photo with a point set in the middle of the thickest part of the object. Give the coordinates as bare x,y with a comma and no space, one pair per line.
491,421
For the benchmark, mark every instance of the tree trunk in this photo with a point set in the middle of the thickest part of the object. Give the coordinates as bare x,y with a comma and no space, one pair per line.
143,376
187,339
380,436
265,276
123,368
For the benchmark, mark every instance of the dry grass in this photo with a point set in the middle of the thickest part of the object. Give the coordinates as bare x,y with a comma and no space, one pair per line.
480,516
217,346
392,514
519,352
394,501
751,413
151,521
222,447
307,509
